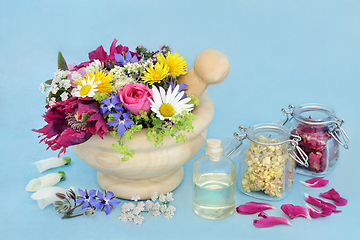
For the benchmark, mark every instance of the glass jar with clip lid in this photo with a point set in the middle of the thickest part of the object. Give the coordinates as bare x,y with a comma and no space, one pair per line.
321,134
267,160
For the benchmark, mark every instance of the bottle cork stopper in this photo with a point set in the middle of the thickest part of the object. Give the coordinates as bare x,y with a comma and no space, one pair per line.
213,143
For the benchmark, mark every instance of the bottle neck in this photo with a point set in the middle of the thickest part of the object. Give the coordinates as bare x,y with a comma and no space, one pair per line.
215,154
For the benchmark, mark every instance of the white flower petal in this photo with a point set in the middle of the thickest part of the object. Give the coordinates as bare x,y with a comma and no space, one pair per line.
163,95
45,181
46,196
48,163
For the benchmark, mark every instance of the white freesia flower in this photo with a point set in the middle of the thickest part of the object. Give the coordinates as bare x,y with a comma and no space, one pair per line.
53,162
46,196
45,181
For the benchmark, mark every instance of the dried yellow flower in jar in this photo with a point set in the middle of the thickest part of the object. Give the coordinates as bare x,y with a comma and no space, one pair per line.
267,166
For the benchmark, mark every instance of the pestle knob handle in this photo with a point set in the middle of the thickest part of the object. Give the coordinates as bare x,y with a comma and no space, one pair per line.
210,67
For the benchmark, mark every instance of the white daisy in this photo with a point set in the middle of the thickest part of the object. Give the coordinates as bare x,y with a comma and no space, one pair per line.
165,105
86,87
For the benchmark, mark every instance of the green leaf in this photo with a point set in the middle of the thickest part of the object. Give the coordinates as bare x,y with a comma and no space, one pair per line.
61,62
48,82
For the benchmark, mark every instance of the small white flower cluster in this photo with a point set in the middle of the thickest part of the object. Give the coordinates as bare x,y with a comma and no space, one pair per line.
130,73
93,66
60,81
132,212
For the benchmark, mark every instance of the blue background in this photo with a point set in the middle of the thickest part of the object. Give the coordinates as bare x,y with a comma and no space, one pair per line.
281,52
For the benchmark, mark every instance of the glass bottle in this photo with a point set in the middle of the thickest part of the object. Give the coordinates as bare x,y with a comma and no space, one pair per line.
214,182
321,134
267,161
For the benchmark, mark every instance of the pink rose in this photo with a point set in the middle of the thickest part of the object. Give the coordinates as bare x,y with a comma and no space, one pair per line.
135,97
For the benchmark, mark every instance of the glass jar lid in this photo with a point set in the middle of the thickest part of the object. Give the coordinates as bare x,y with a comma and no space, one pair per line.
314,114
318,114
268,134
272,134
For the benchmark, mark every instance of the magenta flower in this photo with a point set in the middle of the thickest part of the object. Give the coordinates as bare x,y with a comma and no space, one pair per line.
318,202
294,211
100,54
267,221
253,207
316,182
334,195
71,122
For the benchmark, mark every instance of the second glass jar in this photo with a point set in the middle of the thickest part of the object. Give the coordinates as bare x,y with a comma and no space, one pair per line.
267,161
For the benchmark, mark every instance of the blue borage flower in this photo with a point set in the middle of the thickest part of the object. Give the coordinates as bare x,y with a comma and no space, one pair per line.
125,60
88,199
108,201
122,121
111,105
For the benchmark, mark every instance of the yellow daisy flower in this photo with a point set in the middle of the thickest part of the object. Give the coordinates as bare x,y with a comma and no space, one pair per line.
176,64
102,79
155,74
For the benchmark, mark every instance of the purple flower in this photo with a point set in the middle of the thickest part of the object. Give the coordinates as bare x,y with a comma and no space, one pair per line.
123,121
107,201
125,60
111,105
88,199
181,87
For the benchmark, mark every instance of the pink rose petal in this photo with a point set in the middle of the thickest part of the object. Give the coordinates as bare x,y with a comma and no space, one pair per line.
294,211
324,212
318,202
314,213
267,221
316,182
334,195
253,207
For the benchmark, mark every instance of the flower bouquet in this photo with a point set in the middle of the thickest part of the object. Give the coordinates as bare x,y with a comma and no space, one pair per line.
128,105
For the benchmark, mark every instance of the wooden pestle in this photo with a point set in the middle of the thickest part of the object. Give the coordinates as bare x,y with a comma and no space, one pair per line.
210,67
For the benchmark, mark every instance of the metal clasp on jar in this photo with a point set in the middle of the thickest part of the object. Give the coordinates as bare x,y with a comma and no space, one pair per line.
303,159
335,128
239,137
342,139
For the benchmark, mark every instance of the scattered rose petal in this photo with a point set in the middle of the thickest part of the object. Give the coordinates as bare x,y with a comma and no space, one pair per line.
267,221
253,207
318,202
294,211
316,182
324,212
314,213
334,195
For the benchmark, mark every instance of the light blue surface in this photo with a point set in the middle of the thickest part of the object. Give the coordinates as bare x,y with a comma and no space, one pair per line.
281,53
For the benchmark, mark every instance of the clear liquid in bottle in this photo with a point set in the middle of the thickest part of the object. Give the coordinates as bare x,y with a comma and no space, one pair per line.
214,195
